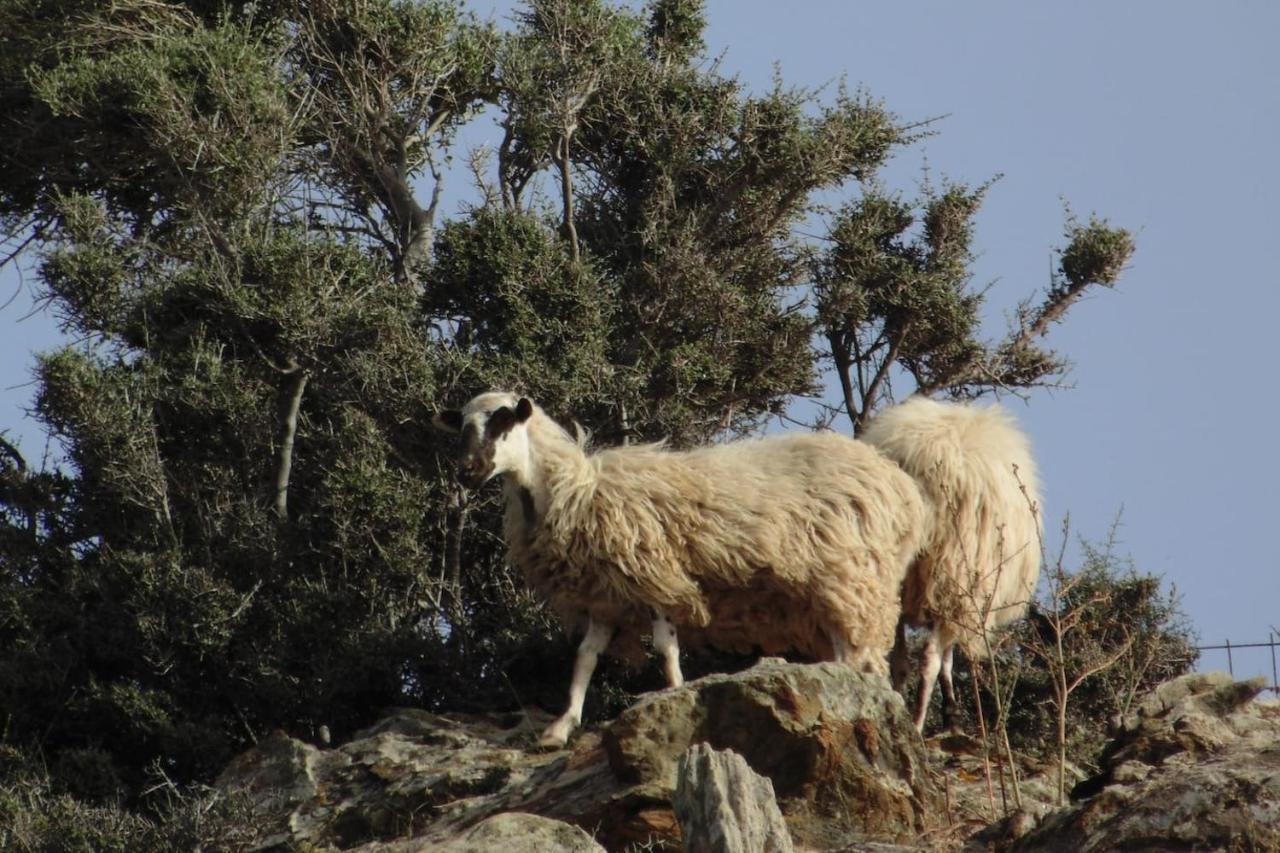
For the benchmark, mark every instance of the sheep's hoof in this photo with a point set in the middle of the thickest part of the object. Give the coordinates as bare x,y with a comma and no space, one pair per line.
555,737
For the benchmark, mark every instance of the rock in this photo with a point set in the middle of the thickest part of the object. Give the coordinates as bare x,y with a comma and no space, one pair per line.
838,749
725,807
514,832
278,775
1196,766
999,835
413,775
844,759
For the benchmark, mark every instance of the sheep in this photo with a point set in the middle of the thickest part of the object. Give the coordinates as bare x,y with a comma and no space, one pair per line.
981,559
797,542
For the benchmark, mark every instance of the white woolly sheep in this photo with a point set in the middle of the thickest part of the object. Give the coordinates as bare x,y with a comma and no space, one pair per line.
798,542
981,559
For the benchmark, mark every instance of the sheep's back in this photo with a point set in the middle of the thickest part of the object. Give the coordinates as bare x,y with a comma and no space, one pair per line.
767,533
981,560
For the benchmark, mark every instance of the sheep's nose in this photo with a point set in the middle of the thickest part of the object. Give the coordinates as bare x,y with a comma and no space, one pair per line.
472,474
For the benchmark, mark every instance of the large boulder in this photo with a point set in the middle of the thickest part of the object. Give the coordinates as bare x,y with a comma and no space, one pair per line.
844,759
1195,766
837,748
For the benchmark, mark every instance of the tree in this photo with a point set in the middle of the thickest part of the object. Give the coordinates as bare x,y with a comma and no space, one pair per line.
389,84
241,546
893,304
234,209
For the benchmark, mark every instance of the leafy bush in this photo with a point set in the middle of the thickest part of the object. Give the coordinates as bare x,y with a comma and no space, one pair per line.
1123,632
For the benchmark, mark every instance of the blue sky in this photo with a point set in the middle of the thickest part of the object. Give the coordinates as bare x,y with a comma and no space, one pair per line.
1165,118
1162,116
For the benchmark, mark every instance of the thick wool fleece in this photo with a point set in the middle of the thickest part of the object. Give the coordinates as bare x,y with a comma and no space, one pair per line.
981,560
770,544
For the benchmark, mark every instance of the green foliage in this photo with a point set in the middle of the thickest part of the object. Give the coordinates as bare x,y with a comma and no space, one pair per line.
554,66
149,108
894,303
1095,253
698,192
235,209
530,316
184,588
675,28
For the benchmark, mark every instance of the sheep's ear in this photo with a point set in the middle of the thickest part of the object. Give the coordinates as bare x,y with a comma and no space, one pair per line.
524,409
450,420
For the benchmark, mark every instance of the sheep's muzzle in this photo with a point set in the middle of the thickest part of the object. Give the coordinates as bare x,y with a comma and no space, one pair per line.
472,473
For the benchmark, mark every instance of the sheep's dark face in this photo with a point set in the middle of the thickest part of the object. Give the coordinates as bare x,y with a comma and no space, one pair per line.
492,436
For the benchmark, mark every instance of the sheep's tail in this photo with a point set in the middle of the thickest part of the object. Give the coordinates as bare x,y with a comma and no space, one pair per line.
981,561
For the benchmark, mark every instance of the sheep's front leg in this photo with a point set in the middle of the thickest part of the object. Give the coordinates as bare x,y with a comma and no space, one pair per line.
595,642
841,649
665,643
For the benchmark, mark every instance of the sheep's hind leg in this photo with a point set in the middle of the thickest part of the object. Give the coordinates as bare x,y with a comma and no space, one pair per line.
949,721
900,659
595,642
930,663
665,643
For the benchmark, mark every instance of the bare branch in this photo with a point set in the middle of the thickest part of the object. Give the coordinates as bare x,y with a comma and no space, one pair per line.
1100,665
36,233
873,388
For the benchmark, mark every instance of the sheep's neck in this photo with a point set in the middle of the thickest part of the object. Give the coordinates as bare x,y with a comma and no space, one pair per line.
521,494
529,485
526,487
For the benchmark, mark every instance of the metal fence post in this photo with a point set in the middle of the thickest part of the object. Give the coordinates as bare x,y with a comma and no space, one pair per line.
1275,682
1272,643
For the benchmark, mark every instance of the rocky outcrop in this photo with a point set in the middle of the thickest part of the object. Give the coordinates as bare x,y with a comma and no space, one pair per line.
837,748
418,776
724,806
1196,766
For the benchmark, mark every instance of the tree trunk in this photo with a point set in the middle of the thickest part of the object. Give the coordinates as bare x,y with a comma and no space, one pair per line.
414,224
1062,746
840,355
289,430
455,527
566,192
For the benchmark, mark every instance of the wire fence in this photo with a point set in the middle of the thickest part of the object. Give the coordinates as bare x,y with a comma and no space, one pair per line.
1239,649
